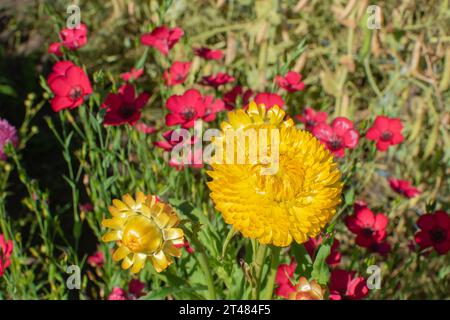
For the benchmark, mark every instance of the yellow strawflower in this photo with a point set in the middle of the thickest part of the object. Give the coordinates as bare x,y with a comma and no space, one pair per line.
143,228
294,201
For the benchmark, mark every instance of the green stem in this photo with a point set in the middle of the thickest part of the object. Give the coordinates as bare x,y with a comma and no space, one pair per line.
203,261
258,269
272,273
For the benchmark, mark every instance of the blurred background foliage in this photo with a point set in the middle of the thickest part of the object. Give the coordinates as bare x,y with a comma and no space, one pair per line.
401,70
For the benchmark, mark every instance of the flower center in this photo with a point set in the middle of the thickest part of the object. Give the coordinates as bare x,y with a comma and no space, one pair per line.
142,235
335,144
311,123
386,136
367,232
285,184
75,93
188,113
438,235
126,111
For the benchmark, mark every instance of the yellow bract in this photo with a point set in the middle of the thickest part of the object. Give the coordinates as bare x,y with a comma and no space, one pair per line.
143,228
295,202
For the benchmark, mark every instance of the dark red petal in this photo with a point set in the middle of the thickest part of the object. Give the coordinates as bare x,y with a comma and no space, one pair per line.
426,222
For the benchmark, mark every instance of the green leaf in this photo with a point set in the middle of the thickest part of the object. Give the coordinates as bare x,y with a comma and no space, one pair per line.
320,270
7,90
164,292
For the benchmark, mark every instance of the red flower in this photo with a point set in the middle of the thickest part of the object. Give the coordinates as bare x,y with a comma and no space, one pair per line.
344,285
171,141
312,118
69,84
97,259
144,128
132,75
382,248
135,289
230,97
74,38
269,100
337,137
185,109
6,248
386,132
283,278
208,54
212,107
177,73
403,187
313,244
217,80
124,107
86,207
434,231
162,38
359,205
367,226
291,81
185,245
55,48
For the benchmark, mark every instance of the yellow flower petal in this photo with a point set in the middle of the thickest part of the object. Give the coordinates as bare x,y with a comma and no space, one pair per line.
138,262
112,236
173,233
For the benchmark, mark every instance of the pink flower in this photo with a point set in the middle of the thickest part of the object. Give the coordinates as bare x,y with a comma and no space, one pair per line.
217,80
434,231
212,107
144,128
291,81
208,54
403,187
8,134
283,279
312,245
74,38
386,132
6,248
368,227
185,109
118,294
162,38
69,84
230,97
132,75
177,73
269,100
337,137
312,118
345,286
55,48
97,259
124,107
